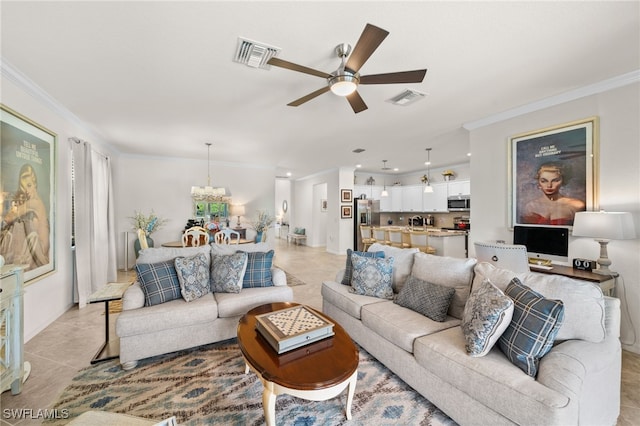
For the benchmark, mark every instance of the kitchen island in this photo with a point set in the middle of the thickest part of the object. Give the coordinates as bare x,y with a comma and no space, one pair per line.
446,242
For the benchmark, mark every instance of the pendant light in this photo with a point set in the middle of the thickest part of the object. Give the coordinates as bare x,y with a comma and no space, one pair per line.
208,193
384,192
428,188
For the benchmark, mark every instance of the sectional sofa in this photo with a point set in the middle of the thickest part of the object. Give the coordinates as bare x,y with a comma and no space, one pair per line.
576,382
177,324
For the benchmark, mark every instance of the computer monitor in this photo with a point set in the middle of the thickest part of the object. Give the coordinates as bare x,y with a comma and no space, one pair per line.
543,243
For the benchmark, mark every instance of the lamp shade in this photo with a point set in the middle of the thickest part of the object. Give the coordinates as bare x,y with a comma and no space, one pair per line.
237,209
604,225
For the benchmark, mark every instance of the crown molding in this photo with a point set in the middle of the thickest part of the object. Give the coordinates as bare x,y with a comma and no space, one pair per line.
16,76
592,89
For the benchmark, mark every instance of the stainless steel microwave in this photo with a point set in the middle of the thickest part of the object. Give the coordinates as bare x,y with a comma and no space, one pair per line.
459,203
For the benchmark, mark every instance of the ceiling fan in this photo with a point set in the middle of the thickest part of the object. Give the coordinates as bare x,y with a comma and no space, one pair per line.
345,80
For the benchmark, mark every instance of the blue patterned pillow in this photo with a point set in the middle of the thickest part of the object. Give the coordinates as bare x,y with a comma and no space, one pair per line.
487,315
372,276
430,300
258,273
193,274
159,282
227,272
533,328
348,271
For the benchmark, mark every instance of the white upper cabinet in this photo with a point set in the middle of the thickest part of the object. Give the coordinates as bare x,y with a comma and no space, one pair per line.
412,198
435,201
462,187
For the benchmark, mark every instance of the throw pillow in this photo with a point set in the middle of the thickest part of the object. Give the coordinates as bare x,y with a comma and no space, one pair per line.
533,328
372,276
348,270
193,274
227,272
430,300
159,282
258,273
486,316
401,265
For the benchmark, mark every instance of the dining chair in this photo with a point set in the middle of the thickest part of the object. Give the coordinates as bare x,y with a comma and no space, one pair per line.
395,238
420,240
195,236
221,238
232,236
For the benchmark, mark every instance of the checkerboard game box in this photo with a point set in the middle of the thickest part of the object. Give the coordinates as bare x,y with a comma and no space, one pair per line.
292,328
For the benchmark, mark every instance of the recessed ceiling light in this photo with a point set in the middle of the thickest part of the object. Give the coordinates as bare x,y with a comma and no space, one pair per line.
288,173
395,169
468,154
358,166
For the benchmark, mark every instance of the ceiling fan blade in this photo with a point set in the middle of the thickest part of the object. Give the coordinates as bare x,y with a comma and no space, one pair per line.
368,42
394,77
308,97
295,67
356,102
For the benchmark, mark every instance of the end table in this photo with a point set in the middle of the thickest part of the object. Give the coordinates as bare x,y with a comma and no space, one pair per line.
110,349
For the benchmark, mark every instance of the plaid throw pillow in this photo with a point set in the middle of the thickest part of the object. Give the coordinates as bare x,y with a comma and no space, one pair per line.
430,300
348,271
258,272
159,282
533,328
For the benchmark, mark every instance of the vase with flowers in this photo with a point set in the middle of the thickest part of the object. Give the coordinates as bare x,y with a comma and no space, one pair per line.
144,225
262,223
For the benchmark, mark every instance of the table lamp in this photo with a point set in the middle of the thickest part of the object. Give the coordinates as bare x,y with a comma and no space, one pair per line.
604,226
237,210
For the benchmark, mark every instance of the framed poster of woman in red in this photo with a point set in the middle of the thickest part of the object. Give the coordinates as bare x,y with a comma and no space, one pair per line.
553,173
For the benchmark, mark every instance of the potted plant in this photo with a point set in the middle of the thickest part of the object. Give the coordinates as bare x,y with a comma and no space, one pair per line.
261,225
145,224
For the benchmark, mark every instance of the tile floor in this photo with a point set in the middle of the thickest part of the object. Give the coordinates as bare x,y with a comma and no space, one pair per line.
69,343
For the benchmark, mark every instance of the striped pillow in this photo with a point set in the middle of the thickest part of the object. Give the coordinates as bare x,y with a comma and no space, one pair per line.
533,328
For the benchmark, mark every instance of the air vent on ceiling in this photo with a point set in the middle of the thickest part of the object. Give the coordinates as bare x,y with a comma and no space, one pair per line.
358,150
407,97
254,54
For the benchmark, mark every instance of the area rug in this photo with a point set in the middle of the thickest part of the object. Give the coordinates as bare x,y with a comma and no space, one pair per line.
207,385
292,280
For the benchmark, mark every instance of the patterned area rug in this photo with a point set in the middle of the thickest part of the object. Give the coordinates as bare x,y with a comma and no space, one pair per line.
293,281
207,385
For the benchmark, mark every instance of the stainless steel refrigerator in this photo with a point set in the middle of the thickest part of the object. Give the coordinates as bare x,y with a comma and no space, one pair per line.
367,212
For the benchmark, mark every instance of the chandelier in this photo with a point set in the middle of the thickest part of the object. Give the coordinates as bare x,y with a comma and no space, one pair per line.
208,193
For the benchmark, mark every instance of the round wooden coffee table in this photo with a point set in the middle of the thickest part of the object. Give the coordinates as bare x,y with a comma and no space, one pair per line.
315,372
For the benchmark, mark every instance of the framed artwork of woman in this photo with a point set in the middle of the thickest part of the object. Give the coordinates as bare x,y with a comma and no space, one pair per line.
553,173
27,194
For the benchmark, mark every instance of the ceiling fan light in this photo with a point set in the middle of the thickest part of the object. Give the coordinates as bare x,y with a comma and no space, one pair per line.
344,85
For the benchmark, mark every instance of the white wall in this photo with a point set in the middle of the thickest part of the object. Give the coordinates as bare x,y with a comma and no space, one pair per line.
47,298
618,110
164,186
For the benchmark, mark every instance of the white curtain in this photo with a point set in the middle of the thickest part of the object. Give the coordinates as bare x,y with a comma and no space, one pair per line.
95,246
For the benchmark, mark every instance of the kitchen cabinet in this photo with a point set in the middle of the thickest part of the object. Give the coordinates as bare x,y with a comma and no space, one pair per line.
412,198
386,202
435,201
395,194
462,187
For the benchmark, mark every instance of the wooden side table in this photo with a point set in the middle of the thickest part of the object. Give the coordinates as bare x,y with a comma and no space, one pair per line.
110,349
606,283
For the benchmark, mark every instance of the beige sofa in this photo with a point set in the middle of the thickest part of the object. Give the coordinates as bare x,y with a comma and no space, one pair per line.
578,381
146,331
